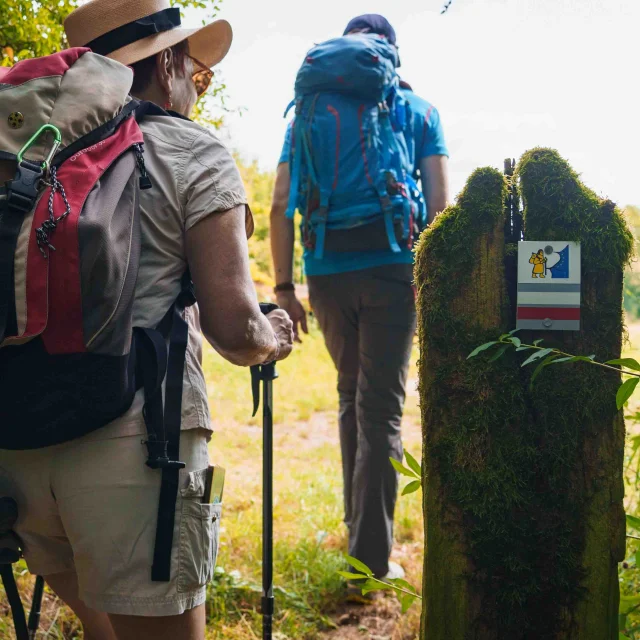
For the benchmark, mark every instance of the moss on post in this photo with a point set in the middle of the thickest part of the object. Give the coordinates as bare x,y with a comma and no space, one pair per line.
523,495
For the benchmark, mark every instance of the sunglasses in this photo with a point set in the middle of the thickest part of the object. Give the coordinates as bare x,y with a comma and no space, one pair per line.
202,76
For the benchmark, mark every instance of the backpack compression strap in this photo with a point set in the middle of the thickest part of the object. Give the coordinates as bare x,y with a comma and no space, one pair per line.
163,424
21,196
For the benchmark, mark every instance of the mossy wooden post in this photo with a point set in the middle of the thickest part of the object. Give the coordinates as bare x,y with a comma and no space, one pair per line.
523,487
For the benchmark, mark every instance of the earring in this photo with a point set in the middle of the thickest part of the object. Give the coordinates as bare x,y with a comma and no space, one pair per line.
168,104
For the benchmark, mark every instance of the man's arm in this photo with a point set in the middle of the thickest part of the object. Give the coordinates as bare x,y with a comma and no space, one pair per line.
282,241
435,184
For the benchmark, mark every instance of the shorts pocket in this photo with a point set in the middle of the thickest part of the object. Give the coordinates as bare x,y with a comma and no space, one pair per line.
199,541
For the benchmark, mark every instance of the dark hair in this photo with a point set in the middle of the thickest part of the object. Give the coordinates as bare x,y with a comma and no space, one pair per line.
143,70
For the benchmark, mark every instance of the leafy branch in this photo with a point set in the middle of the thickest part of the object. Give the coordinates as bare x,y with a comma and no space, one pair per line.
412,470
406,593
547,356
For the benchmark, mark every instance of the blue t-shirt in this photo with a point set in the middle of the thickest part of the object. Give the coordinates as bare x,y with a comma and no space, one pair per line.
429,141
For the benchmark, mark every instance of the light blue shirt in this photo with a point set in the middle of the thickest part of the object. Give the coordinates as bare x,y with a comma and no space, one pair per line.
429,141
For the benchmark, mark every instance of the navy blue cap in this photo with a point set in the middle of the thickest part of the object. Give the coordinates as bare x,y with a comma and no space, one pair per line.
375,23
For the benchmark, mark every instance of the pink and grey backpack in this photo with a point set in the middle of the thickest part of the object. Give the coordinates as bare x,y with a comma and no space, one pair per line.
71,361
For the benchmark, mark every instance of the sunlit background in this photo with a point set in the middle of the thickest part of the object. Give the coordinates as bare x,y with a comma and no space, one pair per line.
506,75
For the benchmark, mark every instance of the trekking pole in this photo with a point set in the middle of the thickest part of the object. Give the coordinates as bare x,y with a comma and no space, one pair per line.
36,608
266,373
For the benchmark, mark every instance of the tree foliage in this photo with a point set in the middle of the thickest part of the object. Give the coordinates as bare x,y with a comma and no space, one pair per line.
32,29
259,186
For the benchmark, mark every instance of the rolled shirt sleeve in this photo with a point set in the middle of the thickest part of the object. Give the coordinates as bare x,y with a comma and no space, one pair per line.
431,136
211,182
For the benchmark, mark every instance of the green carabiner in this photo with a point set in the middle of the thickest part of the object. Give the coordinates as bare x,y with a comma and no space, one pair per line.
57,139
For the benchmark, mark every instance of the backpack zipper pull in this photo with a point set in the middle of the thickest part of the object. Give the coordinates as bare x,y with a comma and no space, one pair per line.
145,180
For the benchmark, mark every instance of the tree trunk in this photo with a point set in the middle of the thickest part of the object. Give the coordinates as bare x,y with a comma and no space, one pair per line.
523,491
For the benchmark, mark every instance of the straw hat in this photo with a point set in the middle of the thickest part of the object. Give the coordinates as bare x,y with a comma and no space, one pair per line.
132,30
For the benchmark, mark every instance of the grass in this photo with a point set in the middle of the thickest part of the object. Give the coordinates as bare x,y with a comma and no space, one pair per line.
310,538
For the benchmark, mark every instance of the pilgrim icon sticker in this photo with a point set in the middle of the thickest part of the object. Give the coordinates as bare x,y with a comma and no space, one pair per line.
549,286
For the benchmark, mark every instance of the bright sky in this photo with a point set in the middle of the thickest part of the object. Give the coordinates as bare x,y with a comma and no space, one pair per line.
506,75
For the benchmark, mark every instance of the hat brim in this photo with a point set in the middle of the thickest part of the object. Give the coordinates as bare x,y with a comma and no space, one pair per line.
208,44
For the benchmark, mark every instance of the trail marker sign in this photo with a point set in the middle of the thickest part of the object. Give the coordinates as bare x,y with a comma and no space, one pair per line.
549,285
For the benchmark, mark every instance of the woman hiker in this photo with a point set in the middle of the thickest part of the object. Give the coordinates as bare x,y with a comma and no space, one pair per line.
88,508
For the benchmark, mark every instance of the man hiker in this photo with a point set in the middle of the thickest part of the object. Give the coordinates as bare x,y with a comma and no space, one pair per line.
348,163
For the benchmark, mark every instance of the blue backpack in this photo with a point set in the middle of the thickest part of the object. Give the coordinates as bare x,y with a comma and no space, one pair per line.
352,150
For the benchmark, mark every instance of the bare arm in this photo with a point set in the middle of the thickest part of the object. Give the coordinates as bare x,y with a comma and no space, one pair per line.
282,231
231,319
435,184
282,239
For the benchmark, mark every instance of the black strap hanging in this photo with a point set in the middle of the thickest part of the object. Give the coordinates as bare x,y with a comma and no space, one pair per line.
156,365
161,570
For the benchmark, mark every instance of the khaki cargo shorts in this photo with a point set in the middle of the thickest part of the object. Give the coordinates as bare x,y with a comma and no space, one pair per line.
90,505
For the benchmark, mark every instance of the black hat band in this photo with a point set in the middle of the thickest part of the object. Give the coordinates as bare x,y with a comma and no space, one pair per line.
120,37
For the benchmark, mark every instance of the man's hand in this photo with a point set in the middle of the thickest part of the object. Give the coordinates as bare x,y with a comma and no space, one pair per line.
288,301
283,328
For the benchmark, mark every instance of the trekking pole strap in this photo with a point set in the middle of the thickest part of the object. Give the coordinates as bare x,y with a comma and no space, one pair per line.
17,610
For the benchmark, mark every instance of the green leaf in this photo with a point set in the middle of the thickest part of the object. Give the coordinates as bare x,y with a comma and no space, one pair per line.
545,363
373,585
527,348
481,348
516,341
499,353
513,331
353,576
406,601
400,468
628,363
621,636
403,584
575,359
537,342
626,391
413,463
633,522
412,487
359,566
543,353
628,603
622,622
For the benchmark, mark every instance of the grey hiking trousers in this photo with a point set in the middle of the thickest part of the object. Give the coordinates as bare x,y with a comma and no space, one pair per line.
368,319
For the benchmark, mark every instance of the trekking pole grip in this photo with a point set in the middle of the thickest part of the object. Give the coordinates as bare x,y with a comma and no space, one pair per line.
262,372
268,369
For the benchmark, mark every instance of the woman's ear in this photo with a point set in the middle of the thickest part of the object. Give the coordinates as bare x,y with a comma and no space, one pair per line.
164,66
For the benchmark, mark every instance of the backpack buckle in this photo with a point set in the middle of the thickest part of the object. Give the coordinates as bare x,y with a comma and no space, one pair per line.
22,191
159,456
